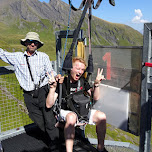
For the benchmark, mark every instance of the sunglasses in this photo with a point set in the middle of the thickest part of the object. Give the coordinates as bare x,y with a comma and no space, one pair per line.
32,41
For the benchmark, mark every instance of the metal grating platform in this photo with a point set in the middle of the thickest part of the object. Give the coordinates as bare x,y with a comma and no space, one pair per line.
33,140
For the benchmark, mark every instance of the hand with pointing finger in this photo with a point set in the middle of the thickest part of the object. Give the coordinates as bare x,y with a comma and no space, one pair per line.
52,82
99,77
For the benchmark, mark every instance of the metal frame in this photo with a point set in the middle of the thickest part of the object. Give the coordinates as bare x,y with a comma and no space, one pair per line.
146,91
58,36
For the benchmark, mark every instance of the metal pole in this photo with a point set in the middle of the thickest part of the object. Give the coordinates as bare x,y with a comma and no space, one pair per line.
146,92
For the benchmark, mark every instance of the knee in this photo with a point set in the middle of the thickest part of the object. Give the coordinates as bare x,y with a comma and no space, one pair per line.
101,117
71,119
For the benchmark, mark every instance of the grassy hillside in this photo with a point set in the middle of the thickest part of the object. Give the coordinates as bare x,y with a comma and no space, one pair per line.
114,34
10,37
114,134
11,34
21,17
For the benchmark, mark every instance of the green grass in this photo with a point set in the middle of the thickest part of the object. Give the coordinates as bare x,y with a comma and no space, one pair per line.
122,34
113,134
11,35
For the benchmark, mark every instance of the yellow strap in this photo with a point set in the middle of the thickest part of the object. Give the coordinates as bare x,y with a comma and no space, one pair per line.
80,49
81,52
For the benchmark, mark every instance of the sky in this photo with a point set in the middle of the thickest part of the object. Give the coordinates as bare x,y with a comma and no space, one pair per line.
130,12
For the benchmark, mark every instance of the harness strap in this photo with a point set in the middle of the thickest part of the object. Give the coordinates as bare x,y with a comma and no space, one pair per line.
65,45
112,2
89,27
76,32
28,65
97,4
29,68
59,101
92,1
60,95
78,88
71,106
90,59
80,7
70,103
68,59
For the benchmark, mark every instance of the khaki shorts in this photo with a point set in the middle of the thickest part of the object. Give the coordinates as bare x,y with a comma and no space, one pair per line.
63,114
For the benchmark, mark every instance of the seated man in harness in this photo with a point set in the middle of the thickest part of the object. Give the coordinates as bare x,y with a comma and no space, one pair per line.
71,118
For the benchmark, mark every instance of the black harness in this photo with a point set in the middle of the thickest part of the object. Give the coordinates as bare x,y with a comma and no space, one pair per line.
78,102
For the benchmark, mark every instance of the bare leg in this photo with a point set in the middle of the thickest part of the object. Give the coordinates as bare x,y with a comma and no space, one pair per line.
69,131
100,119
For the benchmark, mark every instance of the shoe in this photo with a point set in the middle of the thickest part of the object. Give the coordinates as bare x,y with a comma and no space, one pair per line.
104,150
54,146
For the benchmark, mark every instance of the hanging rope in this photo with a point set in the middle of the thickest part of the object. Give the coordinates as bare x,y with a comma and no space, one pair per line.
90,58
65,45
89,27
67,65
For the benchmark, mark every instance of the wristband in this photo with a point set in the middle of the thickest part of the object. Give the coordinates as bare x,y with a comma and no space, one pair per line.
96,82
96,86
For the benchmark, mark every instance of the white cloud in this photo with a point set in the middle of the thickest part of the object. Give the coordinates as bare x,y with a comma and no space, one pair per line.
138,18
138,12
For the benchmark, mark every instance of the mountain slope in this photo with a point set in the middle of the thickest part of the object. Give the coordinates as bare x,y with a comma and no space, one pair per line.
17,17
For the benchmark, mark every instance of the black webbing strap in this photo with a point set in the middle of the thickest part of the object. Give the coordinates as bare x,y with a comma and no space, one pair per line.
76,32
89,27
29,68
90,58
97,4
68,83
87,4
60,90
112,2
69,98
60,96
67,65
72,108
80,7
83,3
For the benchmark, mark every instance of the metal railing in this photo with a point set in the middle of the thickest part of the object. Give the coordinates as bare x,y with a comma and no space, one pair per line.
13,112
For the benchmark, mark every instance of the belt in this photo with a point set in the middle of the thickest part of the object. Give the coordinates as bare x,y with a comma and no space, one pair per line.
29,92
32,92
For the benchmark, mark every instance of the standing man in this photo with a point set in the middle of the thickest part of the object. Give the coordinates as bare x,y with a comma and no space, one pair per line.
77,82
30,69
